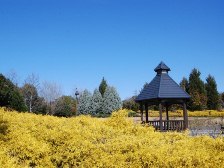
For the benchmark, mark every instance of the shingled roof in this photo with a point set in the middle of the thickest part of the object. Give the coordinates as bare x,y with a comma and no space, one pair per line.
162,87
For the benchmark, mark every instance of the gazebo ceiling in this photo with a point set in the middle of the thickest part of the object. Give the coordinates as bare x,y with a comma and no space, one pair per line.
162,88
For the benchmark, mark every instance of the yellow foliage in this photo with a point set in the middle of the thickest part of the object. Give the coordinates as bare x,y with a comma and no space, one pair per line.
179,113
29,140
206,113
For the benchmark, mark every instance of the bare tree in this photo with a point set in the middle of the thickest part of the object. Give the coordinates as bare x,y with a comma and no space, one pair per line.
13,77
33,79
50,91
30,95
30,89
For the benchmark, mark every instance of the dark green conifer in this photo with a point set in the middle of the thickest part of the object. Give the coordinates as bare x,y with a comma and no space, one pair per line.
212,93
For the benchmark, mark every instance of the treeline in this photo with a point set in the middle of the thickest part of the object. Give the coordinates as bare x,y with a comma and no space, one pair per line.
204,95
48,99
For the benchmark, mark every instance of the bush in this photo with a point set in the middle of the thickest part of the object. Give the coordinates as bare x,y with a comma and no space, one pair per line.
131,104
47,141
179,113
133,114
65,106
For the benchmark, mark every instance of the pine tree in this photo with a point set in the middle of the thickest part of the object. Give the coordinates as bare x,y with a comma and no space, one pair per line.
184,84
84,106
197,91
96,102
212,93
111,101
103,86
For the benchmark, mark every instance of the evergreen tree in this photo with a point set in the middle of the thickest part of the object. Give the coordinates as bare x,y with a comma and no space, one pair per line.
111,101
10,96
84,106
212,93
103,86
197,91
65,106
184,84
96,102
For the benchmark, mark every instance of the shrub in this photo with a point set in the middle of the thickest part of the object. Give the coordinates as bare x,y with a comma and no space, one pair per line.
83,141
133,114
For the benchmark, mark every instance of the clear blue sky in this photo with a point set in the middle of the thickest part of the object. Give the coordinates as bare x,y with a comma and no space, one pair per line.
77,42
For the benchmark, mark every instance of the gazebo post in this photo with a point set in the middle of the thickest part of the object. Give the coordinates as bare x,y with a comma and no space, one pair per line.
160,117
141,109
185,116
146,113
167,109
167,117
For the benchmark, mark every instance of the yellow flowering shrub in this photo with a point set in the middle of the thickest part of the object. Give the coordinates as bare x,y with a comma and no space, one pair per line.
179,113
28,140
206,113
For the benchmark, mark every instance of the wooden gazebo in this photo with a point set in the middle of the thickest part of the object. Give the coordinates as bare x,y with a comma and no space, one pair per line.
163,91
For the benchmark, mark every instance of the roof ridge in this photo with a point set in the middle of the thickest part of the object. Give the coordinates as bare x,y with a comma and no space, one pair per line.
177,84
159,84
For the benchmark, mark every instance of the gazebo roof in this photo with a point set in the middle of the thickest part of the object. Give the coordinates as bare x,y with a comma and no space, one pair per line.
162,87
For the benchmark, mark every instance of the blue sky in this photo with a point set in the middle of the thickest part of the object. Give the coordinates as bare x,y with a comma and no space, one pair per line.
78,42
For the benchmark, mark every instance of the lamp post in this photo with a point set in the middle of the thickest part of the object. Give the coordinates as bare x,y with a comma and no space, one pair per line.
76,94
77,101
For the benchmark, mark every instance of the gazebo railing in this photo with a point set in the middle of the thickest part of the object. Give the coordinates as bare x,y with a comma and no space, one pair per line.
173,125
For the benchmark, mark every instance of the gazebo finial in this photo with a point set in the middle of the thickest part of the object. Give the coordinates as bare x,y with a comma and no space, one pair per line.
162,68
